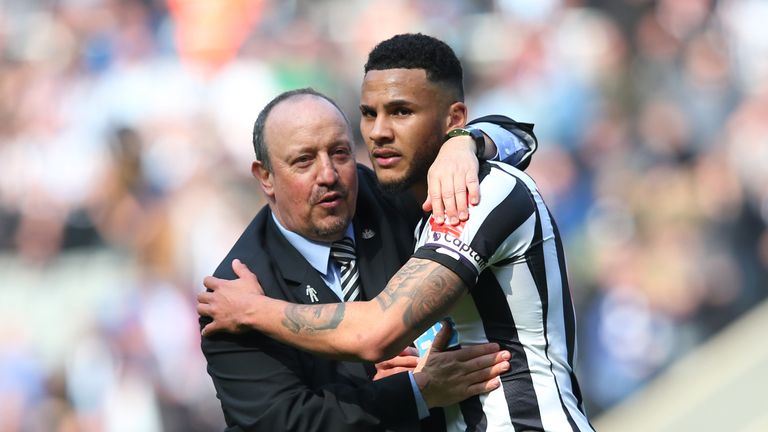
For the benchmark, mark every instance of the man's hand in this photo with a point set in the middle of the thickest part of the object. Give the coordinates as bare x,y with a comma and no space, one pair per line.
407,360
451,180
229,302
446,378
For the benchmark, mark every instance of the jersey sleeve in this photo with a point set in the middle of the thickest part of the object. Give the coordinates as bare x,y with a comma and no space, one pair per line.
499,228
515,141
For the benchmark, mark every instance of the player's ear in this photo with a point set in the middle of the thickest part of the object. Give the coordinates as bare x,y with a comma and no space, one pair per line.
457,116
265,178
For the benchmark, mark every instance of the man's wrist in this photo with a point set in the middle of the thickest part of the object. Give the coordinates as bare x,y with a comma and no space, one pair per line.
507,147
259,314
421,404
477,136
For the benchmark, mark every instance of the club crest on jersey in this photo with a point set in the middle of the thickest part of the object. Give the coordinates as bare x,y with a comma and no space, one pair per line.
454,230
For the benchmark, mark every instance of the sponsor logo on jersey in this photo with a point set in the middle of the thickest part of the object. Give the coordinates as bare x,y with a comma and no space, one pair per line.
454,230
448,244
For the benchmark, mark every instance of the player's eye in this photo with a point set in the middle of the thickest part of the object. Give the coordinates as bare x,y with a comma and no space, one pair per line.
367,112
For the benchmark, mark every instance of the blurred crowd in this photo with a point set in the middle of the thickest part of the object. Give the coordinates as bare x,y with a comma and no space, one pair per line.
125,153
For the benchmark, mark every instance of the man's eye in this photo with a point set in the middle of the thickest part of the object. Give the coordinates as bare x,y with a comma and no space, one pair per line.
367,112
303,160
402,112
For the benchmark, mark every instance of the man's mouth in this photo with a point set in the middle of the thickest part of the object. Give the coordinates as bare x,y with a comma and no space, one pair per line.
386,158
330,199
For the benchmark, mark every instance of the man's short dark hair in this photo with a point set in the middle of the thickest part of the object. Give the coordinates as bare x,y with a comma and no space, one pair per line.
259,144
419,51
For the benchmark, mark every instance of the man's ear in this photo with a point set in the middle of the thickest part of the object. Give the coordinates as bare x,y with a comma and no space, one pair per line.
264,177
457,116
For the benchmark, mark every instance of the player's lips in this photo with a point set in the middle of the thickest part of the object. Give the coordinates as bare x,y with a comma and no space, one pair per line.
386,158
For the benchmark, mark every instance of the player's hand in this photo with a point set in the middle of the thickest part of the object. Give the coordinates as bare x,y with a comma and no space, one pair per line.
452,181
448,377
229,302
407,360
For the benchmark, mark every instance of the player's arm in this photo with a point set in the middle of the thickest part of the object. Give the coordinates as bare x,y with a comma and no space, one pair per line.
421,292
452,179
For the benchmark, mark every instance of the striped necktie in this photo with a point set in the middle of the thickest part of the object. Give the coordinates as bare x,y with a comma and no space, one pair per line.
343,252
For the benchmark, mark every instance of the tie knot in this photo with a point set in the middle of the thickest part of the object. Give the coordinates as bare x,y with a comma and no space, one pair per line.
343,251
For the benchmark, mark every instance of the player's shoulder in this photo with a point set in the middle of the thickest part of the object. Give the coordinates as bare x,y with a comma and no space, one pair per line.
493,170
499,176
505,188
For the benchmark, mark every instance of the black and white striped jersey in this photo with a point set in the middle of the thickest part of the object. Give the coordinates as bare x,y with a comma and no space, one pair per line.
510,255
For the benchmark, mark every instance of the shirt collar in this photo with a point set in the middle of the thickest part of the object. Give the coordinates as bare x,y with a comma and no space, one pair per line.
316,253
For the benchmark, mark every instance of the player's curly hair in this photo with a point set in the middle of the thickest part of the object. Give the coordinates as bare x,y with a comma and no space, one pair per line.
419,51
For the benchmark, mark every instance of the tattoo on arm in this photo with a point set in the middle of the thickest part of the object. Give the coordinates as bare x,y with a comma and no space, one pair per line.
402,285
426,287
313,318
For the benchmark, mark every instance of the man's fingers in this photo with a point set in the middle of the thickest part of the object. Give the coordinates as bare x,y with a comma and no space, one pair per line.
460,195
468,352
436,199
409,351
487,360
449,202
399,361
400,369
427,204
209,329
487,373
486,379
423,361
211,282
483,362
473,188
442,337
390,372
204,297
240,269
483,387
204,309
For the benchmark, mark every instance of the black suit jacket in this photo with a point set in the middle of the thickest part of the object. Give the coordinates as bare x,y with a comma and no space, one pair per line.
268,386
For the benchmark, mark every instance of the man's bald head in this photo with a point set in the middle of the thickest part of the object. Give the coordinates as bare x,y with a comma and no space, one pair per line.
259,139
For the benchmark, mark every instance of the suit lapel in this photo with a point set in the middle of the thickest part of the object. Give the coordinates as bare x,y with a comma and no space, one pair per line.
367,247
376,254
303,281
305,284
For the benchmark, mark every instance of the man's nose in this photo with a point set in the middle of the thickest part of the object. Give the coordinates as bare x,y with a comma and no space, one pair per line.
327,175
381,132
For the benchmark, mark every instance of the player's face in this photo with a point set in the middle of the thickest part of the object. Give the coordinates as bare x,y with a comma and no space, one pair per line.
404,118
313,184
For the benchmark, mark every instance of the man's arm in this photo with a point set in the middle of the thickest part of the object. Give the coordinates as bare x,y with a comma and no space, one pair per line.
515,142
452,178
421,292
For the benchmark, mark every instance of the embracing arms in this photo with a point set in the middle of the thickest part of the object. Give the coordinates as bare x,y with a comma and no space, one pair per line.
452,178
421,293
